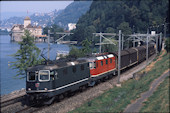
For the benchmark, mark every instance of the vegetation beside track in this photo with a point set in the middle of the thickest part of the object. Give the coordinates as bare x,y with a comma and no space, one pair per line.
117,99
159,101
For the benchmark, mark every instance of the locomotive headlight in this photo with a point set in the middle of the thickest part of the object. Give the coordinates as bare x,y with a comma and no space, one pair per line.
29,89
45,89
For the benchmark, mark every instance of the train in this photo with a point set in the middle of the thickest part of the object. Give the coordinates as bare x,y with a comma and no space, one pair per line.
46,82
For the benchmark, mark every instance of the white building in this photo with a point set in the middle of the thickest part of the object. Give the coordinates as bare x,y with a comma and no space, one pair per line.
71,26
17,30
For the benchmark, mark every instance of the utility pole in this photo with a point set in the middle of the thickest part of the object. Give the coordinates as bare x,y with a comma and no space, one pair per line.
157,44
147,46
160,42
48,44
133,41
100,49
119,59
122,40
133,37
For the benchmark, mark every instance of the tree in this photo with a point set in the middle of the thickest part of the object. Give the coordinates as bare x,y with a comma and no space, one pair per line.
26,56
124,26
53,29
167,43
74,52
85,50
86,47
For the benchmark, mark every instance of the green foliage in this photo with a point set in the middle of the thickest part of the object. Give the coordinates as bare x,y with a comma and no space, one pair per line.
26,56
124,27
72,13
167,43
86,46
53,29
85,50
159,101
117,99
110,16
109,47
74,52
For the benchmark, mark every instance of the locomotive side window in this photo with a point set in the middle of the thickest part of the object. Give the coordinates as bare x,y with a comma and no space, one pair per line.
44,75
65,71
31,76
82,67
74,69
101,63
52,75
110,60
106,61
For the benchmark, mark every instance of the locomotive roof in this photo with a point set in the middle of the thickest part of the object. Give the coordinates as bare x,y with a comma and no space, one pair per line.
67,62
98,57
56,65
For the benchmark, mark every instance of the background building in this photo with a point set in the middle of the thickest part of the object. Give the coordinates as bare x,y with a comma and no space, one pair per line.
71,26
17,30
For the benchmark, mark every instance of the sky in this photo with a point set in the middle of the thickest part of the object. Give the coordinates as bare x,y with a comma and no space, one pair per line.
15,8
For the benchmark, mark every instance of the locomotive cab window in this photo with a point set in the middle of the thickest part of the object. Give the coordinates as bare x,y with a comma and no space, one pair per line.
31,76
52,75
44,75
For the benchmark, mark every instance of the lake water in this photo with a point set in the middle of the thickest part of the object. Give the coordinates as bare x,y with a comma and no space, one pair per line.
7,81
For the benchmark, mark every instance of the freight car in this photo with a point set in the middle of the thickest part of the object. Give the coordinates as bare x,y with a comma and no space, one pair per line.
45,82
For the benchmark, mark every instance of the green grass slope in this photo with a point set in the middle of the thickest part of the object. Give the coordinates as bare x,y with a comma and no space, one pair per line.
159,101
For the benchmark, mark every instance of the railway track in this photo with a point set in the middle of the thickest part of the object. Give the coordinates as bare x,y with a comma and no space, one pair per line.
12,101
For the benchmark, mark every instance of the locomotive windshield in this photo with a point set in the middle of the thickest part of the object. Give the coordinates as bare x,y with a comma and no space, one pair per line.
31,76
44,75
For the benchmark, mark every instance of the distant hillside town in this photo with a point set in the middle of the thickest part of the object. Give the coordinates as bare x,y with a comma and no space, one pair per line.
17,30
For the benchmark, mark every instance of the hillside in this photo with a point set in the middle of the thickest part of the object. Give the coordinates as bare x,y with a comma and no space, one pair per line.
42,19
129,16
72,13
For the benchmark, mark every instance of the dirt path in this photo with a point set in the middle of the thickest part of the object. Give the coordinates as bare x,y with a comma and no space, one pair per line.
135,107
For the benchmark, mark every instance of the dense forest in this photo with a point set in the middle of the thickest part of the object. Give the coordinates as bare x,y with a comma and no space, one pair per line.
72,13
126,15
